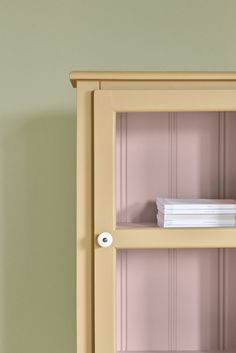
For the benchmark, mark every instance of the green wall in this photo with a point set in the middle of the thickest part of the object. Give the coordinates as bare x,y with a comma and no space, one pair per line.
40,43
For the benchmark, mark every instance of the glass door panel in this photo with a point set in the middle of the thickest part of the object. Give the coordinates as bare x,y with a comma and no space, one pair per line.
172,154
147,143
176,300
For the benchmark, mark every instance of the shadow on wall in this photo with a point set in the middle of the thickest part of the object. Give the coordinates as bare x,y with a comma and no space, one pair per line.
37,231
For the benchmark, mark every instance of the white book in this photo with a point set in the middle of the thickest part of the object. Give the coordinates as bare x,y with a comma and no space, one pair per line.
197,211
194,225
169,224
196,217
196,206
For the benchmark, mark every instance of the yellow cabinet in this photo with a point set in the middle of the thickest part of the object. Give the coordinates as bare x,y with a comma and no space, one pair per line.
140,287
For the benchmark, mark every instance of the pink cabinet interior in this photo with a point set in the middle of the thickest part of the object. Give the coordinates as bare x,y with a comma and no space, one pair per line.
174,299
183,155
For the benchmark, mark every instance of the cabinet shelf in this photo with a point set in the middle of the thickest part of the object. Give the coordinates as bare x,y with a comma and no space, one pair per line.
145,236
149,225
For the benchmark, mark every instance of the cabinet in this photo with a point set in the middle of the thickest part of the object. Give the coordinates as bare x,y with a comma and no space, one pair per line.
143,135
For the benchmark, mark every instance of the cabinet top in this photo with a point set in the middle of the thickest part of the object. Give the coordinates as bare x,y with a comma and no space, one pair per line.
150,76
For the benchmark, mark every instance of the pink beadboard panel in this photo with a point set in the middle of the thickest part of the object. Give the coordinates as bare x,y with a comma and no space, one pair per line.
174,299
229,324
179,300
230,154
197,300
119,300
141,164
121,167
188,154
147,300
197,155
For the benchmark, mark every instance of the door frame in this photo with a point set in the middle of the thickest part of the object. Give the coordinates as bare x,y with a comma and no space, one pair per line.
106,104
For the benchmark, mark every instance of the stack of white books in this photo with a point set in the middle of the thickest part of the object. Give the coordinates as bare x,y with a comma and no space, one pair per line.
196,212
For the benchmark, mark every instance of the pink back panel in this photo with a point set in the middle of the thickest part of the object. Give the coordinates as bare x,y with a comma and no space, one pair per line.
142,158
196,299
174,299
230,155
172,155
197,157
147,300
119,300
229,303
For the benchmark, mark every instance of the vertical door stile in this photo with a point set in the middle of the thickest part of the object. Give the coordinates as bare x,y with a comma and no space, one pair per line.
104,221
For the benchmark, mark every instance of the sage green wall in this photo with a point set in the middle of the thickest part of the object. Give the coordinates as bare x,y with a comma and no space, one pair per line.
41,42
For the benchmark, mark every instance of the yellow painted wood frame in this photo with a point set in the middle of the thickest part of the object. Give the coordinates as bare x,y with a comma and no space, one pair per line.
87,286
106,104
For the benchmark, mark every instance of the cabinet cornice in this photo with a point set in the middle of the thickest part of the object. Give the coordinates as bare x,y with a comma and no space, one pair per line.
150,76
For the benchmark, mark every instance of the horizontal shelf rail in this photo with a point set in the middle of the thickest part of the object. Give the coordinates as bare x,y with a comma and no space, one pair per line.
155,237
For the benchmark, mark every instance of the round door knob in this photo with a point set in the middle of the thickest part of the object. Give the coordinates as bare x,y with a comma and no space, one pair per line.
104,240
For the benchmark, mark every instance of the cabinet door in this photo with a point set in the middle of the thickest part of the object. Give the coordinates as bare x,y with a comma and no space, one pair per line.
106,106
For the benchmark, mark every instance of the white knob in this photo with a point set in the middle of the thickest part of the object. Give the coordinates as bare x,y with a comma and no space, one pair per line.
104,239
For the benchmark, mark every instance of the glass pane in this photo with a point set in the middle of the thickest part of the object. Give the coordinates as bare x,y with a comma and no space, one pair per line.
177,155
176,300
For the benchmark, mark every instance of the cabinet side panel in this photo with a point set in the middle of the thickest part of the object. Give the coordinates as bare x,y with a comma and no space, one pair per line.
84,217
